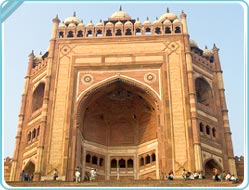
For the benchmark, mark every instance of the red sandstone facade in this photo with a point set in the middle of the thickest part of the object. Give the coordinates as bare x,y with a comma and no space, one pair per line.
141,97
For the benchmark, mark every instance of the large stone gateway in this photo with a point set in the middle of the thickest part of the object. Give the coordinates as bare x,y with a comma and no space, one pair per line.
121,96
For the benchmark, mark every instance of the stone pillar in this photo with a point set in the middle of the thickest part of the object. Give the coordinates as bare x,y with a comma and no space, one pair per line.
108,166
56,22
227,132
43,124
135,167
178,120
193,106
14,176
184,23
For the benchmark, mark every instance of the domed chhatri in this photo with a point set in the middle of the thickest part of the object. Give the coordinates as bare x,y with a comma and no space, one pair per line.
138,23
147,21
156,22
72,19
62,25
207,52
119,15
100,24
192,43
81,24
168,15
128,23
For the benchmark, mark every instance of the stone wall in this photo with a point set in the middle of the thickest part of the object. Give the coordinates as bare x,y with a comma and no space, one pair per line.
239,161
7,168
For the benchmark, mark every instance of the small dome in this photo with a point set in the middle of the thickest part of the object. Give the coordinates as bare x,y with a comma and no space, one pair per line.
168,15
207,52
38,58
147,22
62,25
128,23
109,24
81,24
73,19
119,15
156,22
176,21
138,23
71,25
167,22
118,24
192,43
100,24
90,24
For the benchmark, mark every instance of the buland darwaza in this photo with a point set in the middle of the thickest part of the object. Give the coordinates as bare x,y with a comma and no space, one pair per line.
141,97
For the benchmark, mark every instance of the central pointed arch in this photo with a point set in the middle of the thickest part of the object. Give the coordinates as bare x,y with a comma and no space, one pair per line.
118,113
81,99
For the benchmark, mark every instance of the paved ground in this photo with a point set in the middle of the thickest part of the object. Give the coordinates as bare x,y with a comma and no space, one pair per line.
128,183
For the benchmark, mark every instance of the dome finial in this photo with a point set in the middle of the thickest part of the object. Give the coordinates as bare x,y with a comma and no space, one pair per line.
137,18
167,9
206,47
120,8
215,48
147,18
183,15
74,14
32,54
56,19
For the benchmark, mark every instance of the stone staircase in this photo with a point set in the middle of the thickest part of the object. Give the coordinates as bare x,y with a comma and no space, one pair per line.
127,183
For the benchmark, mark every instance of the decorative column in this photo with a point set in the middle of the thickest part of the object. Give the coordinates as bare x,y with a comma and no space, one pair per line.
43,124
227,132
192,98
184,23
13,175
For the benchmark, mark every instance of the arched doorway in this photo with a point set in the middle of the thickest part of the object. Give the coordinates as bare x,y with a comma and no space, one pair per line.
209,165
29,170
115,124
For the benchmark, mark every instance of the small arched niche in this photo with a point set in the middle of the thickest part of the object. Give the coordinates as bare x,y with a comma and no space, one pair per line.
203,92
38,95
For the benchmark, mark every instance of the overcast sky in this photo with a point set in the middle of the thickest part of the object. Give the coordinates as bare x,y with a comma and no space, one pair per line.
29,28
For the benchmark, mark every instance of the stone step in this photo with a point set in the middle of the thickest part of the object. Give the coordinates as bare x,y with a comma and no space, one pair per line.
127,183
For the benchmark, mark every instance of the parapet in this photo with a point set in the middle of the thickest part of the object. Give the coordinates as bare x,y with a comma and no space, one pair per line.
120,24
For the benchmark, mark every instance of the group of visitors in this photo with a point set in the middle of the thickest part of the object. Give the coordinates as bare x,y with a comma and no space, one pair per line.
89,176
92,174
224,176
24,176
186,175
169,175
195,175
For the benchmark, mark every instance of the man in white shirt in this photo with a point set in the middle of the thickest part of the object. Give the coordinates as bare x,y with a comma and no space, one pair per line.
77,176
